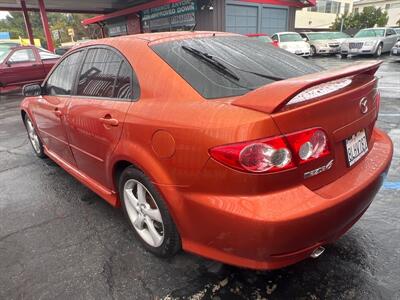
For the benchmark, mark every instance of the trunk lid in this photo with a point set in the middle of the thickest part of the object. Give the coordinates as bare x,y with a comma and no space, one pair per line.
338,113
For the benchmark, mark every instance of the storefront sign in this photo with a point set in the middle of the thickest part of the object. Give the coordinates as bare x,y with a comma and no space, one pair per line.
117,29
169,10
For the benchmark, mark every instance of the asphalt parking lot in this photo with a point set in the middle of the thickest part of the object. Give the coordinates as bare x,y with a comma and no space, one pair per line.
58,240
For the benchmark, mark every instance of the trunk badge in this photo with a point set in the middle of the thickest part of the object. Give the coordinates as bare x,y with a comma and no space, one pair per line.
364,105
319,170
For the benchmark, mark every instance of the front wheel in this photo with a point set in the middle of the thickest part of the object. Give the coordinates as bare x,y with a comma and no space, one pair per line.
34,138
313,51
148,214
378,51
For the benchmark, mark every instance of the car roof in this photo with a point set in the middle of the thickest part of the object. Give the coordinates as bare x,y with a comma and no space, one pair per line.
256,34
286,32
160,36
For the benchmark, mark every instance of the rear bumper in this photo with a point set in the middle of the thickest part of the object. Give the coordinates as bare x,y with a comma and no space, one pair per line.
281,228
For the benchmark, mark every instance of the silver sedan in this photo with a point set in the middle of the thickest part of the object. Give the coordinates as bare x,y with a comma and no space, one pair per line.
373,41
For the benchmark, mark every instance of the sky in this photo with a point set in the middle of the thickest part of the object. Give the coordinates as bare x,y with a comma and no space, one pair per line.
3,14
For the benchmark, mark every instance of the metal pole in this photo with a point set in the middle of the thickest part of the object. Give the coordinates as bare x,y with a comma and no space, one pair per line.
341,24
45,24
28,25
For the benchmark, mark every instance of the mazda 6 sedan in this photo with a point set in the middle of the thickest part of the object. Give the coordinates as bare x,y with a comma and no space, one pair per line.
240,152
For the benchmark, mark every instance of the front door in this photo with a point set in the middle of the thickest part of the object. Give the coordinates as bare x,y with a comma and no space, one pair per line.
96,115
50,109
22,66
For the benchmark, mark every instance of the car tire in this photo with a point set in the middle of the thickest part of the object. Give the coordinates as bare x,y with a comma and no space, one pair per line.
343,55
34,138
378,51
313,51
148,214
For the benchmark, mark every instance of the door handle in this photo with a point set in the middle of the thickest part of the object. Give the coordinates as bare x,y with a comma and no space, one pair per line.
107,120
57,112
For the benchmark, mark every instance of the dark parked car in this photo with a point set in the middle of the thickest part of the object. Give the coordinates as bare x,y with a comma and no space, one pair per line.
24,64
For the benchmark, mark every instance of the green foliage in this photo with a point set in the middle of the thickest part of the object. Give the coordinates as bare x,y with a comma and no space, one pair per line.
58,21
369,17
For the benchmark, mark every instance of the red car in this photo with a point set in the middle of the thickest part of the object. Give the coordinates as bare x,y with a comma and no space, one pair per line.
236,151
24,64
264,38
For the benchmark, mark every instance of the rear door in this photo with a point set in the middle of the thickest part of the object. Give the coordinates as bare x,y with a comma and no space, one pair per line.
390,39
23,66
50,109
97,112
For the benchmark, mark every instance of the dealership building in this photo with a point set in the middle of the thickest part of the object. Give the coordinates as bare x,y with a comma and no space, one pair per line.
245,16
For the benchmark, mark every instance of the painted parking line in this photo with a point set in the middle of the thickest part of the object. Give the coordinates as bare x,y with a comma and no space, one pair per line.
394,185
389,114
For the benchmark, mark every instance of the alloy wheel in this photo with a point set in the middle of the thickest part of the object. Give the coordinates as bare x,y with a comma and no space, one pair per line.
33,137
143,212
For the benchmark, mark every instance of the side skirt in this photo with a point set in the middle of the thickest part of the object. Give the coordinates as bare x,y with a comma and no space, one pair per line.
105,193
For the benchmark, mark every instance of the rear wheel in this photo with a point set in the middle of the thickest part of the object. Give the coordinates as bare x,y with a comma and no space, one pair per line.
378,51
148,214
34,138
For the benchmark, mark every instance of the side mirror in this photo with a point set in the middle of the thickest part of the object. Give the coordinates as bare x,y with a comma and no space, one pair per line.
32,89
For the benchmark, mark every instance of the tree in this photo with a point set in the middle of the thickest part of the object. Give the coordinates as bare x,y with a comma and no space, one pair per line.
369,17
14,23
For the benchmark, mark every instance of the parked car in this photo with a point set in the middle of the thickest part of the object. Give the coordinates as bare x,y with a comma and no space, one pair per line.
62,50
321,43
263,37
24,64
292,42
338,36
373,41
396,49
236,151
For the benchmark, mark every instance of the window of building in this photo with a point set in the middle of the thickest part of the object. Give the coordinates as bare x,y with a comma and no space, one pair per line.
62,79
347,8
24,55
356,10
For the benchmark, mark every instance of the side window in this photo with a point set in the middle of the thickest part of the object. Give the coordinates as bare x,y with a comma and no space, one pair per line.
390,32
62,79
47,55
24,55
123,84
99,73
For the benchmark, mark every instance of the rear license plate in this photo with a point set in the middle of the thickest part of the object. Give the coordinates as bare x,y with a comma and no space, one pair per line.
356,147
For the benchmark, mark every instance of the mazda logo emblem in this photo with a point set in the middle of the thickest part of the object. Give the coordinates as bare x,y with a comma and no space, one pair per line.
364,105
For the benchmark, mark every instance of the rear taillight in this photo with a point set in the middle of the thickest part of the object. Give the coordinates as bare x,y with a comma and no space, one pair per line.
309,144
266,155
274,154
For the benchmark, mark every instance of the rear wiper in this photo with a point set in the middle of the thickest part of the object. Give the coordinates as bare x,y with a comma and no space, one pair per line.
211,61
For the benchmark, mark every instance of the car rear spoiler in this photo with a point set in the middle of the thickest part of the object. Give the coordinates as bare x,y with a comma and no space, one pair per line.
274,96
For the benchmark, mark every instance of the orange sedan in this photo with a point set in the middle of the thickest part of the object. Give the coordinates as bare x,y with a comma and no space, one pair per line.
234,150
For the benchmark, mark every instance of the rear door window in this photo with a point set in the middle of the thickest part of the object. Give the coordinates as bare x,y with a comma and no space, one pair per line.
61,80
106,74
24,55
243,58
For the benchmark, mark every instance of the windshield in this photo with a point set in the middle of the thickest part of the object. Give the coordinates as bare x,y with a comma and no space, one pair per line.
370,33
290,37
230,65
338,35
263,38
4,51
317,36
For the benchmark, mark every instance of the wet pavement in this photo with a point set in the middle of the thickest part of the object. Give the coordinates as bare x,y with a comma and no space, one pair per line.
58,240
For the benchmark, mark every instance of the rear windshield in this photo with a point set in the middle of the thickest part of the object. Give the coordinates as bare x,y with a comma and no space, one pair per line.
240,55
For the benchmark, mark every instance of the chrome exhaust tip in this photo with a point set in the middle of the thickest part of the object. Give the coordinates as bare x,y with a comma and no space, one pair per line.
317,252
